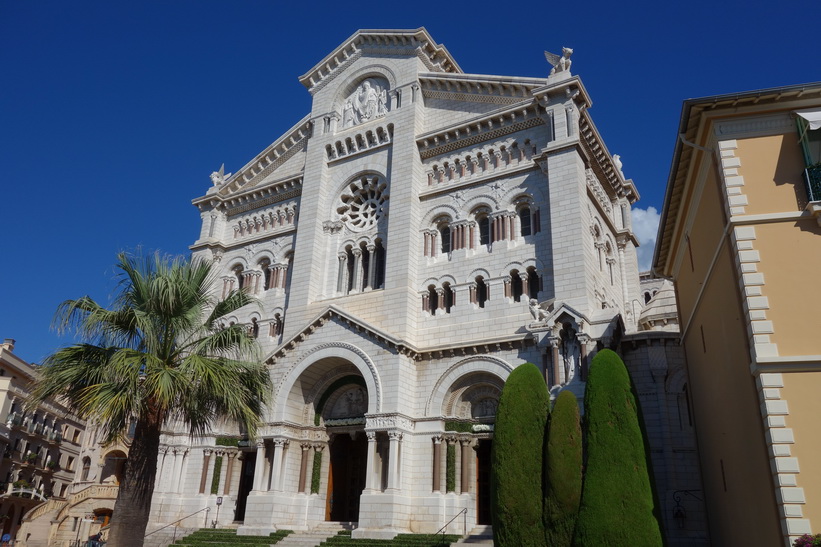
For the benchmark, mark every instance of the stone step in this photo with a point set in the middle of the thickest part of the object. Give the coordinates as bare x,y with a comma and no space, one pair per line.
479,535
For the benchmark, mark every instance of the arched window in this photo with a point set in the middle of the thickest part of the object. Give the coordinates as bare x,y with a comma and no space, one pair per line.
534,283
444,236
86,469
524,221
484,230
516,288
448,297
608,251
265,266
237,271
647,297
433,300
481,291
379,269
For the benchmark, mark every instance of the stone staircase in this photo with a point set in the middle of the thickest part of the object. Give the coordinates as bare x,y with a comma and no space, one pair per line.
312,538
480,535
166,536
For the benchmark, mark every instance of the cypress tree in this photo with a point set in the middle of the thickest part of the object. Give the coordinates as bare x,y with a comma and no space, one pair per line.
516,459
617,496
562,471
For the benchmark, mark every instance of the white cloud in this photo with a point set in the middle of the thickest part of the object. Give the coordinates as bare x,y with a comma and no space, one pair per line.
645,227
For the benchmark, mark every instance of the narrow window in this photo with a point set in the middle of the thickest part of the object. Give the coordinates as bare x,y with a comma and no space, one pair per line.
481,291
379,256
444,234
524,221
484,231
516,286
448,297
533,283
433,300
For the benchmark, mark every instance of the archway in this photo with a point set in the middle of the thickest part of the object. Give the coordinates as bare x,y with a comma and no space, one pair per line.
341,409
113,468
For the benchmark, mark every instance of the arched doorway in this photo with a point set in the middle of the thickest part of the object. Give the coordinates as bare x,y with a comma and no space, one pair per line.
113,467
346,476
341,409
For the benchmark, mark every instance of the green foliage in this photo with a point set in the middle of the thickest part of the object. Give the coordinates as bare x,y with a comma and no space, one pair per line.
617,506
562,471
227,441
516,459
450,469
158,353
215,481
316,472
459,427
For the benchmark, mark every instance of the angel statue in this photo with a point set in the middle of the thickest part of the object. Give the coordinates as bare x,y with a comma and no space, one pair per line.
540,311
561,62
219,177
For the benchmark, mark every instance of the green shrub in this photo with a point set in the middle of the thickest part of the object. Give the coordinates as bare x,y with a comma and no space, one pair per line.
516,459
316,472
215,480
617,496
562,471
450,469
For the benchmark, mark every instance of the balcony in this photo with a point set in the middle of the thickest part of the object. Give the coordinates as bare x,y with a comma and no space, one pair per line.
812,178
55,437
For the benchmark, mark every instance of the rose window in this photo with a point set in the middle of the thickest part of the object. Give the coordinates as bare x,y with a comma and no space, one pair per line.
364,203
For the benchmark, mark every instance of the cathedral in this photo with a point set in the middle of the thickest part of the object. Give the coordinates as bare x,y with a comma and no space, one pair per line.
412,239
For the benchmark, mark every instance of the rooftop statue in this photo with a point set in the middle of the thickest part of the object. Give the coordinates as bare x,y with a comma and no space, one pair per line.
561,63
219,177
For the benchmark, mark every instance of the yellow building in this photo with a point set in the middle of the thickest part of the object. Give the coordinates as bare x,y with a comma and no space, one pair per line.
740,236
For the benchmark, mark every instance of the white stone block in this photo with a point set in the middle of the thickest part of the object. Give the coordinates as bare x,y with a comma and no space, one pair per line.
730,144
787,465
742,233
777,408
771,379
797,527
792,511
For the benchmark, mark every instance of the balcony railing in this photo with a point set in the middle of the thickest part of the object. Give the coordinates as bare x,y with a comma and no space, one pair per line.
812,177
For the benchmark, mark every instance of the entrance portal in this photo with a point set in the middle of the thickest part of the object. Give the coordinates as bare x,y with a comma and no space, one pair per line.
246,483
483,468
346,476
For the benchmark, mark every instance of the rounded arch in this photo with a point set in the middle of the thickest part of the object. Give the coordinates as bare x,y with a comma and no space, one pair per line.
237,261
282,247
337,352
483,364
440,211
263,255
476,273
447,278
480,200
353,80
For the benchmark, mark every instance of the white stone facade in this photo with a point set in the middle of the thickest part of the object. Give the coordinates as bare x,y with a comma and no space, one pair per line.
396,237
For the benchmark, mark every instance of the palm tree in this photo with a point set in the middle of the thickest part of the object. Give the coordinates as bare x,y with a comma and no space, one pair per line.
157,357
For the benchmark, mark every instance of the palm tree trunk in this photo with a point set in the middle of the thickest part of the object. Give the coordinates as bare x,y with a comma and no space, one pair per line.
133,506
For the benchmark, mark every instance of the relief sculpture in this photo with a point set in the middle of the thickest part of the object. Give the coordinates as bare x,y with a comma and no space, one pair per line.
368,102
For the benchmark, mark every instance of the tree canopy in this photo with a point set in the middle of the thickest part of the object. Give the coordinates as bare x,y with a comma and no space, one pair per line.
157,356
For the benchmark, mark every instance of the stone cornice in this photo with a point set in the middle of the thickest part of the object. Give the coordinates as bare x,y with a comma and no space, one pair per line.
501,90
602,161
489,126
401,347
384,42
273,192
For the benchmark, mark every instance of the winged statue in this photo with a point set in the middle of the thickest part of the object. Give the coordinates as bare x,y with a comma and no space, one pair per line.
219,177
561,62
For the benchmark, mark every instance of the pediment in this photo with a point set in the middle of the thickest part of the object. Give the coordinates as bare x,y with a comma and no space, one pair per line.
390,342
384,43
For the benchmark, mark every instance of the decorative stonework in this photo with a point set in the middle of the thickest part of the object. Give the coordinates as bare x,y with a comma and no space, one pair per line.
733,182
785,468
368,102
366,203
598,192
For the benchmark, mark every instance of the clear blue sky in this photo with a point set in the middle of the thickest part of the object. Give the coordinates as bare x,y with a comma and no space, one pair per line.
113,114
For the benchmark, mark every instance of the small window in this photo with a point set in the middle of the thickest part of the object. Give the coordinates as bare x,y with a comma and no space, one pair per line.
484,231
481,291
444,234
524,221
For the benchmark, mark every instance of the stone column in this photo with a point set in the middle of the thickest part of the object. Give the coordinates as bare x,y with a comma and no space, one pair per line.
303,466
205,461
259,466
371,266
525,284
440,293
226,491
340,277
394,480
554,344
180,473
372,477
464,487
357,271
437,463
621,243
584,339
276,464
